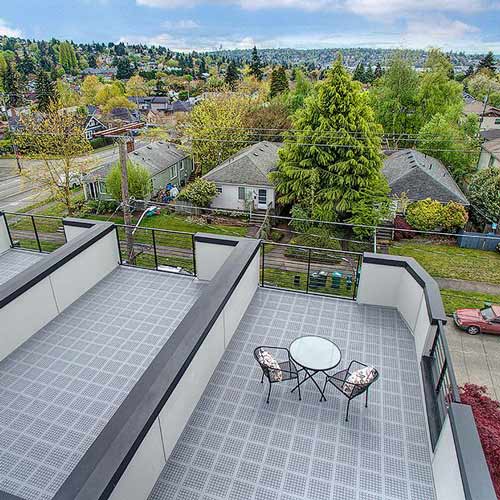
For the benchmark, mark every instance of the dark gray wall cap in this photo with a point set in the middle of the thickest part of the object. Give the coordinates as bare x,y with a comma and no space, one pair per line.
218,239
433,300
41,269
73,221
98,472
476,477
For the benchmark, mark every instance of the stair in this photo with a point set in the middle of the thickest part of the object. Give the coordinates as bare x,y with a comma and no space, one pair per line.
385,232
257,217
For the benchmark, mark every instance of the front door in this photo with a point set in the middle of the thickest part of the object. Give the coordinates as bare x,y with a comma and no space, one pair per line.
262,199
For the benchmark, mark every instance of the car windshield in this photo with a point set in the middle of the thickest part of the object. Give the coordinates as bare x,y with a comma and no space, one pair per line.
488,313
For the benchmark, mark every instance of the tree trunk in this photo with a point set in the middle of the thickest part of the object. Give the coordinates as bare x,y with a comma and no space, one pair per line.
127,218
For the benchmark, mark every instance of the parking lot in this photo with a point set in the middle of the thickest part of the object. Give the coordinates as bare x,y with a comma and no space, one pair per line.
476,358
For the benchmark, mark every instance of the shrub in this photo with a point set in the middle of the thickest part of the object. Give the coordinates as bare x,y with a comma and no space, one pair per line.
453,216
139,181
200,192
317,237
424,215
400,223
487,416
483,194
299,212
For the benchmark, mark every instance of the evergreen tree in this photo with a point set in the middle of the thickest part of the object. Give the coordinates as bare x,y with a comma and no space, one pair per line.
469,72
124,69
45,91
67,57
232,74
331,160
255,64
487,62
369,75
378,72
12,85
279,81
359,73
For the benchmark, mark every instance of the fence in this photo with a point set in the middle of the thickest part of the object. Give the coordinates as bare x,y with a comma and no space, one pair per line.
478,241
42,233
310,270
158,249
441,386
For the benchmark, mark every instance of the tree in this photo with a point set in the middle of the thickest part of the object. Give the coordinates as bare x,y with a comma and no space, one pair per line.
332,157
482,85
124,70
136,86
139,181
279,81
269,120
211,123
232,75
67,97
469,71
454,141
378,72
45,90
200,192
57,139
484,194
369,75
487,63
256,65
303,87
90,89
67,57
359,73
12,85
437,92
394,97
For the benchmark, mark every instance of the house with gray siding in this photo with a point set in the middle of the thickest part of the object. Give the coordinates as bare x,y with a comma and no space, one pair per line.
165,161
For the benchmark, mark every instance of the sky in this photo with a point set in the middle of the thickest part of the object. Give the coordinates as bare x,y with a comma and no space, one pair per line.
468,25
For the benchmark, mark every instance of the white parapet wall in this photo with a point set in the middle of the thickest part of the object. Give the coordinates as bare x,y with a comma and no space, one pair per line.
39,294
238,286
4,234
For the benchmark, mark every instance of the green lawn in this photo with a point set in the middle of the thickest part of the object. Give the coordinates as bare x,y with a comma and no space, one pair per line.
453,300
446,261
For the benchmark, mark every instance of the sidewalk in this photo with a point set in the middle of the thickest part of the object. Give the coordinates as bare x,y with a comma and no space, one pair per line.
468,286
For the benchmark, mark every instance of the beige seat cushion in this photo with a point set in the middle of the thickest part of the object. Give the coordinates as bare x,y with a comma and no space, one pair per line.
268,360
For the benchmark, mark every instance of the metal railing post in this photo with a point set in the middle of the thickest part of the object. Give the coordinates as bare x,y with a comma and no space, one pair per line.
119,246
154,249
308,270
263,263
375,241
193,246
36,234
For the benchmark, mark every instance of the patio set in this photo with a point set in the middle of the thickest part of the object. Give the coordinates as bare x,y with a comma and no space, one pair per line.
314,355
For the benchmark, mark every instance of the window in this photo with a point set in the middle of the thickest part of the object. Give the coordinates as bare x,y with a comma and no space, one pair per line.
241,193
172,172
219,189
497,121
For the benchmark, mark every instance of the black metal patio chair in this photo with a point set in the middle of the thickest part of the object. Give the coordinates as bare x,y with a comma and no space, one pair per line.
349,389
286,371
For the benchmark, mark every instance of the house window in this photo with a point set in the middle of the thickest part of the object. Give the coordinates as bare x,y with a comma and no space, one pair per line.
241,193
219,189
172,173
497,121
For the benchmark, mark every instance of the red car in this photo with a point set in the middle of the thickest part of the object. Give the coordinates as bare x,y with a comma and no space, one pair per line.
475,321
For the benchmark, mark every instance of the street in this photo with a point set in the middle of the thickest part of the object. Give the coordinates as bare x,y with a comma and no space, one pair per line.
18,192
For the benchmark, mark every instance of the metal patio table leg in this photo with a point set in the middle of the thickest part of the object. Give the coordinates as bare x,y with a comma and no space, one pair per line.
310,375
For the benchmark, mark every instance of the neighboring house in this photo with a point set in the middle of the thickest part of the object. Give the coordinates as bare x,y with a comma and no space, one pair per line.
180,107
243,179
92,125
166,162
150,103
489,116
490,154
421,176
105,72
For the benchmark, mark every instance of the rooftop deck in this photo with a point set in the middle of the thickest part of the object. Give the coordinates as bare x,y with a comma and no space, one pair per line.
14,261
237,447
60,388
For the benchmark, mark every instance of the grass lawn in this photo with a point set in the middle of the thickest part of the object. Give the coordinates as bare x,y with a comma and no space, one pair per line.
453,299
446,261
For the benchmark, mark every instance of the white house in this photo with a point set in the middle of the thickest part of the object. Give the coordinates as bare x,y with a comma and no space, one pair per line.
243,181
490,154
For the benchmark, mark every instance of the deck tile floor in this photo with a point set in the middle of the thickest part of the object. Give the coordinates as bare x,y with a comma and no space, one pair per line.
14,261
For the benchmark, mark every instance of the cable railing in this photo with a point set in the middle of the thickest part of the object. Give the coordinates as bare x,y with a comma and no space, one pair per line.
40,233
310,270
158,249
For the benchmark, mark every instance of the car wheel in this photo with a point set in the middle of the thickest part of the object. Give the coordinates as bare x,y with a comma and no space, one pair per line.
473,330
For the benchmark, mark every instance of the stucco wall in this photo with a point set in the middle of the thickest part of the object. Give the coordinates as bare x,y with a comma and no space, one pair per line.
228,199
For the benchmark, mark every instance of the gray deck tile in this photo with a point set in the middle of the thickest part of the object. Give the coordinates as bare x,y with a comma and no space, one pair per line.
14,261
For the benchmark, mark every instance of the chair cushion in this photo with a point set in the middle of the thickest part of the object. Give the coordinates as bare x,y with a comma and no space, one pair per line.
361,377
268,360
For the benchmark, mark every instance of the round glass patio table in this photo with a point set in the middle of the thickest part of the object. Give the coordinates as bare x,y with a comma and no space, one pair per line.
314,355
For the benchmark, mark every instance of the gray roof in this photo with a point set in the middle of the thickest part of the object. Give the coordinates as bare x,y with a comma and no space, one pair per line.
492,147
250,166
421,176
156,157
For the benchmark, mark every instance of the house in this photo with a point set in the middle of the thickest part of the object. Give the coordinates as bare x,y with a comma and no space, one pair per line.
106,72
166,162
243,180
490,154
179,107
150,103
489,115
93,125
421,176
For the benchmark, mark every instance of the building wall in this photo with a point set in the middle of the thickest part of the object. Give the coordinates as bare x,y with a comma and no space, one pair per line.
176,174
228,199
487,160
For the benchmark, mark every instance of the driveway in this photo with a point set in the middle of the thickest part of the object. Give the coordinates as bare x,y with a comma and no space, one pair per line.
476,358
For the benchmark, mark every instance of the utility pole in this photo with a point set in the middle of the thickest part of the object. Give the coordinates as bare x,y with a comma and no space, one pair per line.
14,145
127,218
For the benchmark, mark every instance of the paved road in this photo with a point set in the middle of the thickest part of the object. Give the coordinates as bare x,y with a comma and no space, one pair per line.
17,192
476,358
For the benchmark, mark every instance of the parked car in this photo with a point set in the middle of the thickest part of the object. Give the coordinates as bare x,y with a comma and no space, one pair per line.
475,321
75,179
